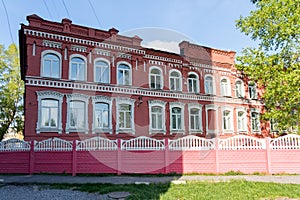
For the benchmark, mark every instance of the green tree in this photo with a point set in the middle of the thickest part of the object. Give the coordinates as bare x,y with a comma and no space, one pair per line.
275,63
11,91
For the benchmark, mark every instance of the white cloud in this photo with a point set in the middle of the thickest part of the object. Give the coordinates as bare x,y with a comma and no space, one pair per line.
170,46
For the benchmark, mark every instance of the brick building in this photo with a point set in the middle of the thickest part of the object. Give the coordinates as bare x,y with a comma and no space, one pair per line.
82,82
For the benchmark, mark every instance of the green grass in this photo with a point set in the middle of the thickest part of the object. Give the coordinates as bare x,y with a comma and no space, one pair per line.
235,189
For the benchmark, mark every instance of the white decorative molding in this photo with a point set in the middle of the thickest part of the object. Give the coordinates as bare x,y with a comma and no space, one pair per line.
52,44
153,57
102,52
199,107
181,106
128,101
78,48
161,104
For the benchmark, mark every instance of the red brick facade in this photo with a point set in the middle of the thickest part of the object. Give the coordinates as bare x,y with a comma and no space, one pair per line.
82,82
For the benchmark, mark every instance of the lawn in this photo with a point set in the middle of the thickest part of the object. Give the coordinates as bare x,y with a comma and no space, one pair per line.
235,189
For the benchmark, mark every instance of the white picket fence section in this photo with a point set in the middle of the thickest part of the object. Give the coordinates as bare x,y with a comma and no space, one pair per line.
291,141
53,144
241,142
192,142
142,143
96,143
14,145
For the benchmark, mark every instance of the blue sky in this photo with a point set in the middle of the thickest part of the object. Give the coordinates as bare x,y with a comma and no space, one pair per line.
159,22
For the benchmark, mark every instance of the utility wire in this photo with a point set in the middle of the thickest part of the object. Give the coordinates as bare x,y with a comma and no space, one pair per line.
95,13
48,9
66,8
7,18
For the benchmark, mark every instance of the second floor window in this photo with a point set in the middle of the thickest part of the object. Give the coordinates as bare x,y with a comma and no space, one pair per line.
155,79
239,89
51,65
208,84
193,83
225,87
252,90
124,74
175,81
101,72
77,69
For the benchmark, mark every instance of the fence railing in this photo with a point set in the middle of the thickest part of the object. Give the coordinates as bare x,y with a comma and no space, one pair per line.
190,142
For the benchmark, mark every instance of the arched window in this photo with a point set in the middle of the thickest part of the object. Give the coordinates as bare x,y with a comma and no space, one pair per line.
102,72
225,87
77,69
252,90
209,84
51,65
156,81
175,80
193,83
124,74
239,89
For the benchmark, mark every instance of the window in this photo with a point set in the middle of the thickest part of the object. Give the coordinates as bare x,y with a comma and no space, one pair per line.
255,124
77,68
175,80
176,117
102,74
102,114
225,87
125,115
211,112
241,119
157,116
252,90
124,74
77,113
193,83
195,118
274,125
49,111
156,81
227,119
239,89
209,84
51,64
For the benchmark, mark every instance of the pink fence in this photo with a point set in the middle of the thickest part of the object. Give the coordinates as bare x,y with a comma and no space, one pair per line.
190,154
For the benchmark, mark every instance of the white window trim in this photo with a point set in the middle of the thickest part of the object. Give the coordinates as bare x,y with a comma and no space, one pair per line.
42,62
255,87
129,102
255,110
215,108
85,66
213,84
107,100
197,82
108,64
130,72
161,77
244,110
197,106
181,106
230,109
161,104
180,80
242,88
47,94
228,89
77,97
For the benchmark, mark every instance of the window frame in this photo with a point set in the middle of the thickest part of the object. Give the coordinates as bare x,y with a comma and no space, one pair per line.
160,75
127,101
43,54
49,95
242,88
231,128
95,66
84,70
157,103
197,85
179,89
80,98
181,106
253,110
250,87
105,100
227,87
199,107
213,87
244,110
215,108
130,72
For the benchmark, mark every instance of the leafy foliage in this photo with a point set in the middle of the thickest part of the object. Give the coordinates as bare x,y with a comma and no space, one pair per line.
11,91
275,63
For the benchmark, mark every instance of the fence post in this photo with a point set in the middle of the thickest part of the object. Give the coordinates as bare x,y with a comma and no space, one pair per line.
166,156
268,158
217,156
74,158
31,158
119,157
